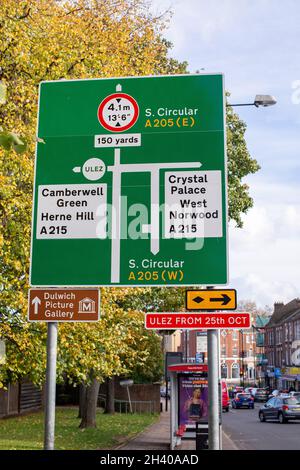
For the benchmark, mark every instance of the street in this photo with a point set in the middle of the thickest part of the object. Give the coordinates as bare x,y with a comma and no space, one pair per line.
248,433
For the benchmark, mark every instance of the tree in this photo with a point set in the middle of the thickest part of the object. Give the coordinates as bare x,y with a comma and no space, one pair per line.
44,40
251,307
9,140
52,40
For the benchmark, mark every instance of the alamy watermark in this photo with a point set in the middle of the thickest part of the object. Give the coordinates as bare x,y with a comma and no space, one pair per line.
296,93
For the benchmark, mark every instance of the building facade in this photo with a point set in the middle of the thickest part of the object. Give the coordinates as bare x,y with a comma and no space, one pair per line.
282,347
240,356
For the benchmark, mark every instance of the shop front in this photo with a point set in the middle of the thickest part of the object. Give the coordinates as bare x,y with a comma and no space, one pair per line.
290,378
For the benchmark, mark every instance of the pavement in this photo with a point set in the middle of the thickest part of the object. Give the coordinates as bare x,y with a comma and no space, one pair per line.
157,437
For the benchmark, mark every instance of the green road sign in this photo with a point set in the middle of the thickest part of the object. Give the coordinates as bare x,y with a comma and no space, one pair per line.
130,182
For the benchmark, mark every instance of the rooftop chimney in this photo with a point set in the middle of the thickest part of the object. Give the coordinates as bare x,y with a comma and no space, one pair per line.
278,306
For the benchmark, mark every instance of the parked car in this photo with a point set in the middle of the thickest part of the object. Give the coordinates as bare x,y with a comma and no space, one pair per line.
281,408
274,393
261,394
225,396
295,394
237,389
243,400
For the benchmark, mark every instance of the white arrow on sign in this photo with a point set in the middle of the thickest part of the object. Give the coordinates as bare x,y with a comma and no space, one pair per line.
36,302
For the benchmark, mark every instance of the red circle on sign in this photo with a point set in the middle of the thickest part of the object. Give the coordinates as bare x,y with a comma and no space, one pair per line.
113,97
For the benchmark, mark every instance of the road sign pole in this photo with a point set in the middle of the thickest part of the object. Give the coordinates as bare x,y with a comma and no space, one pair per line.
213,392
213,388
220,392
50,386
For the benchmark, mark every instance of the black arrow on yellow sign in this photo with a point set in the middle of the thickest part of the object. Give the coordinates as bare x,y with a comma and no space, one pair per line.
225,299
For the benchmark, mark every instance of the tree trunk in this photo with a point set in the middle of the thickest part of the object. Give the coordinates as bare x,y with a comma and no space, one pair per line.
88,419
82,398
110,396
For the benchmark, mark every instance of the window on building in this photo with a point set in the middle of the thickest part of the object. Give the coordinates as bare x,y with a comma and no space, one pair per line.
235,371
234,334
297,330
278,334
235,351
224,371
223,350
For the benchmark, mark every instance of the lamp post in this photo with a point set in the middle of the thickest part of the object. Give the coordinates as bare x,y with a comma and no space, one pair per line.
127,383
263,101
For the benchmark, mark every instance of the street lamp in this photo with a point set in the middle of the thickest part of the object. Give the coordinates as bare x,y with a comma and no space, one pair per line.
127,383
260,100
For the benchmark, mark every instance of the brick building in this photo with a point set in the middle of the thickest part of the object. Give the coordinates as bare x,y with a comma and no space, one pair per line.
238,352
282,346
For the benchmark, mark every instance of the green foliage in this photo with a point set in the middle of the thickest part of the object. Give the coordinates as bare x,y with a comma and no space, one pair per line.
2,93
155,299
151,370
9,140
51,40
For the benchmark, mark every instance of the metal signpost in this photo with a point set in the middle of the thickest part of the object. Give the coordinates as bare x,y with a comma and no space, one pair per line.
53,306
130,187
49,433
213,391
130,182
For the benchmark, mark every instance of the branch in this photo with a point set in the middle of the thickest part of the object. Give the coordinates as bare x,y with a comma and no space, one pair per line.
74,65
22,17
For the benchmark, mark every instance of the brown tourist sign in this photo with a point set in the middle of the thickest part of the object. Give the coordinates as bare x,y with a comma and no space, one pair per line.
63,305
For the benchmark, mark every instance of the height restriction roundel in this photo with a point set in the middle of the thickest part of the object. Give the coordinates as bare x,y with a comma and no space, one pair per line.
118,112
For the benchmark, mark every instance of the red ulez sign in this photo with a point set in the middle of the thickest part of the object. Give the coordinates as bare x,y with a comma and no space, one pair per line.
189,321
188,368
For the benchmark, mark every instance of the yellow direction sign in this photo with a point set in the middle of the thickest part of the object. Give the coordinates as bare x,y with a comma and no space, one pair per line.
213,299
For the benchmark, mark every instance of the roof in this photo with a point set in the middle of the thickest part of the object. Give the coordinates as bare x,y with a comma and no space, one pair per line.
285,312
260,321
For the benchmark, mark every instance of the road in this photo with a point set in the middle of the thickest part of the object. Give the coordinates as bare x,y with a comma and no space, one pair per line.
248,433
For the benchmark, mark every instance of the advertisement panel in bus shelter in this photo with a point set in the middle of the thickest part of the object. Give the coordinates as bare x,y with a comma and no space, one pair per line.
192,398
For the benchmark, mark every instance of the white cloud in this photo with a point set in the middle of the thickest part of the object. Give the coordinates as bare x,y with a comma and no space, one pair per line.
263,291
265,254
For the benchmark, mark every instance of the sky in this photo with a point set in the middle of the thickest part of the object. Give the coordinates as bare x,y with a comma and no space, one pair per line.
255,43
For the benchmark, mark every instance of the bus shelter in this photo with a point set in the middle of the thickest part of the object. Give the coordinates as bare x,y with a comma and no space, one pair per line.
189,402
